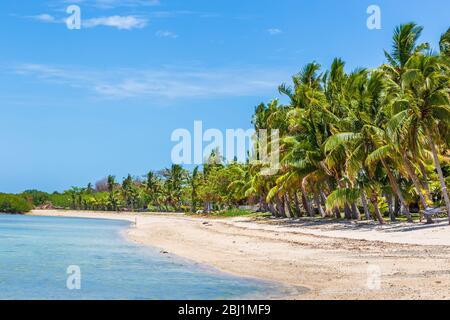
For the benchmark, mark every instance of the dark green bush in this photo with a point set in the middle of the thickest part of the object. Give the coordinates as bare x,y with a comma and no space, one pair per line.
14,204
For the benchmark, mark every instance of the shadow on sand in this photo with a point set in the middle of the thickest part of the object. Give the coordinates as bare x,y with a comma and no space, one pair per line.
333,225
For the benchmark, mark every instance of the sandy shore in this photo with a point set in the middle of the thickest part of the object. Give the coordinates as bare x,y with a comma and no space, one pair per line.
333,260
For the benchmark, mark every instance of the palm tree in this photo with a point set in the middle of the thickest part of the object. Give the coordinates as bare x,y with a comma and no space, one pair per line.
113,203
404,46
175,179
426,84
130,193
194,182
153,189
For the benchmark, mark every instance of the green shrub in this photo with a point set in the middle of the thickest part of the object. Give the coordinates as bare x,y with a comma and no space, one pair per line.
14,204
61,200
38,198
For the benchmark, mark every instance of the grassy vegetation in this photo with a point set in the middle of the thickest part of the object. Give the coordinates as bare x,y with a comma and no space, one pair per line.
233,213
14,204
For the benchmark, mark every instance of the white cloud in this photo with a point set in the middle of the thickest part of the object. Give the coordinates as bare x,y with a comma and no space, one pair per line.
274,31
119,22
166,34
165,83
111,4
45,18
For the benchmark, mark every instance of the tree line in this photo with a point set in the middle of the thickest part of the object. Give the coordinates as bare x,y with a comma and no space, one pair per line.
366,144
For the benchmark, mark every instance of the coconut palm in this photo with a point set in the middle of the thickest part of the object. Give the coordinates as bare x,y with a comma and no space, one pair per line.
426,84
175,178
113,202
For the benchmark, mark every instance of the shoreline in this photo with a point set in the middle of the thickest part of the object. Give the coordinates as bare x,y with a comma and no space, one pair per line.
332,260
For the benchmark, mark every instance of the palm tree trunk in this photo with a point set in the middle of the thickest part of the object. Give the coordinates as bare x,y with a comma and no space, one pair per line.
261,203
280,206
437,164
323,198
337,213
288,206
397,207
355,212
193,205
319,206
417,186
336,210
397,190
374,200
415,180
265,206
306,203
425,184
391,206
365,206
273,210
297,206
347,212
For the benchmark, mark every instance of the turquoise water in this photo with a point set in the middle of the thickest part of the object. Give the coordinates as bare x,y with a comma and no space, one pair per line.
35,253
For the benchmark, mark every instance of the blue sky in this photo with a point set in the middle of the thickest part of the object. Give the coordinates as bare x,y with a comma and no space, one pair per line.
77,105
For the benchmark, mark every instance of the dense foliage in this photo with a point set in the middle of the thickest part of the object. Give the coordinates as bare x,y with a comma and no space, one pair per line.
371,141
10,203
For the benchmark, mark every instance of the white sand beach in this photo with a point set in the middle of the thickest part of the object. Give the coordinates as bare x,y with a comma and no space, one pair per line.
334,260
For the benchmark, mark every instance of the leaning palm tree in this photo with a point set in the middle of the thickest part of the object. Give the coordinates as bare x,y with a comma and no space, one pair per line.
426,84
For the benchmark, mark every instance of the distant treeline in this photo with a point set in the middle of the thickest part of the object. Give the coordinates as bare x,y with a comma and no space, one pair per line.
172,189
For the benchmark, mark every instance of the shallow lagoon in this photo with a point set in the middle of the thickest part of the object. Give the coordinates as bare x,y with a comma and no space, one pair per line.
35,253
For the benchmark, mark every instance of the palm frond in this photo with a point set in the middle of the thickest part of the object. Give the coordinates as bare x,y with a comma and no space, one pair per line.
340,197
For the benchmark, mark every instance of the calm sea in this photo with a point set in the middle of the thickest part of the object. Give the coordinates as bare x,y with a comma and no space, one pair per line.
36,252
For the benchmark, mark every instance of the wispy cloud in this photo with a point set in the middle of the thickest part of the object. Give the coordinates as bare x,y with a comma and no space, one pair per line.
182,13
45,18
274,31
111,4
119,22
164,83
166,34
